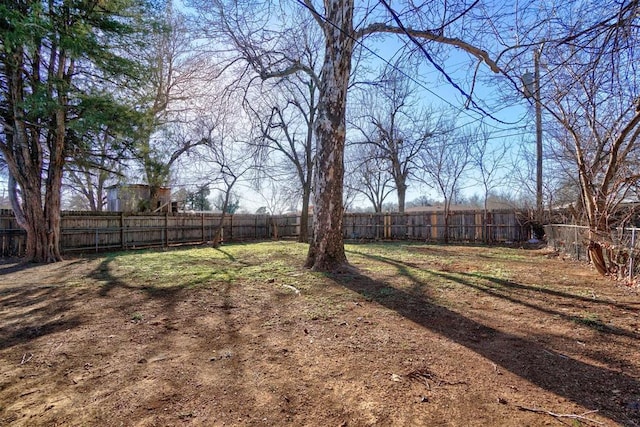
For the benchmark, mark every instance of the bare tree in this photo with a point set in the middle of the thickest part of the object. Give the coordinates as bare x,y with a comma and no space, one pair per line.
395,122
488,160
248,27
277,199
590,86
168,101
369,175
443,164
287,132
228,154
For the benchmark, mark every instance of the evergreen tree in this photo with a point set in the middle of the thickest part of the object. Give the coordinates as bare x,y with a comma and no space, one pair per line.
59,65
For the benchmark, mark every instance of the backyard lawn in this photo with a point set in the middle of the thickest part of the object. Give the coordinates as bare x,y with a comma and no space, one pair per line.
416,334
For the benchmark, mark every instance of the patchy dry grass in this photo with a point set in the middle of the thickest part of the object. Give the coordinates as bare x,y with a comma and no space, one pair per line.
244,335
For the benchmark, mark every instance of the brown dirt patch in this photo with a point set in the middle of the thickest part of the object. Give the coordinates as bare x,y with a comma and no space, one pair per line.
424,338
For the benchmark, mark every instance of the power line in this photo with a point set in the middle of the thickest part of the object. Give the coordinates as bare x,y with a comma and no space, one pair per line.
436,65
420,84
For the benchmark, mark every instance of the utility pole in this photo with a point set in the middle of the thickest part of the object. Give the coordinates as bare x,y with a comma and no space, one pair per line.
536,64
532,89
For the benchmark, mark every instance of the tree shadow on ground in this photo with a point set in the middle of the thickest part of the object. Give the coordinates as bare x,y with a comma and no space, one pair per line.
102,273
168,297
226,254
498,293
39,303
166,304
13,266
30,312
551,292
585,384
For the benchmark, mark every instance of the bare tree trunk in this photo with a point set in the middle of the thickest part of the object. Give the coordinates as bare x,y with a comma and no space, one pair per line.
401,189
594,207
274,224
217,235
326,251
446,212
485,221
304,215
310,166
446,227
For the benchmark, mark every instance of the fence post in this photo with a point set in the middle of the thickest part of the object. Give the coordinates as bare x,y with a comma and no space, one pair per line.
631,253
575,242
166,229
122,237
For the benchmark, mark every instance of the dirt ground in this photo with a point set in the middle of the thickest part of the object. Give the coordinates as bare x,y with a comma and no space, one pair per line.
531,340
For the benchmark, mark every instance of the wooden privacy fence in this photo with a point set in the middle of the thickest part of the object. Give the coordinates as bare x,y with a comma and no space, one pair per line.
464,226
98,231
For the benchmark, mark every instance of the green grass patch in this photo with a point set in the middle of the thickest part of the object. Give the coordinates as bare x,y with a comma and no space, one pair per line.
194,267
445,275
592,321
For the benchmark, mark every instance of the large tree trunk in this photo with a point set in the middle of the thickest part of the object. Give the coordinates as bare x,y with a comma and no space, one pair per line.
154,197
594,208
24,158
326,251
217,234
52,205
217,237
31,219
42,225
401,189
446,212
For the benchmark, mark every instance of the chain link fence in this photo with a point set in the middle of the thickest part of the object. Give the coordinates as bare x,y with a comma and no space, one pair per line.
621,246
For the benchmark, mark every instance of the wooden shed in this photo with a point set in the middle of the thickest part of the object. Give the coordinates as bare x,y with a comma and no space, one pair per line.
136,198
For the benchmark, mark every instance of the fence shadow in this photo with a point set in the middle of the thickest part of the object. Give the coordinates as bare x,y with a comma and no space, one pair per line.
580,382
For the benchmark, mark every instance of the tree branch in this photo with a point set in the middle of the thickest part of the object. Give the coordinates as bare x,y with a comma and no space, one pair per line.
432,36
570,416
